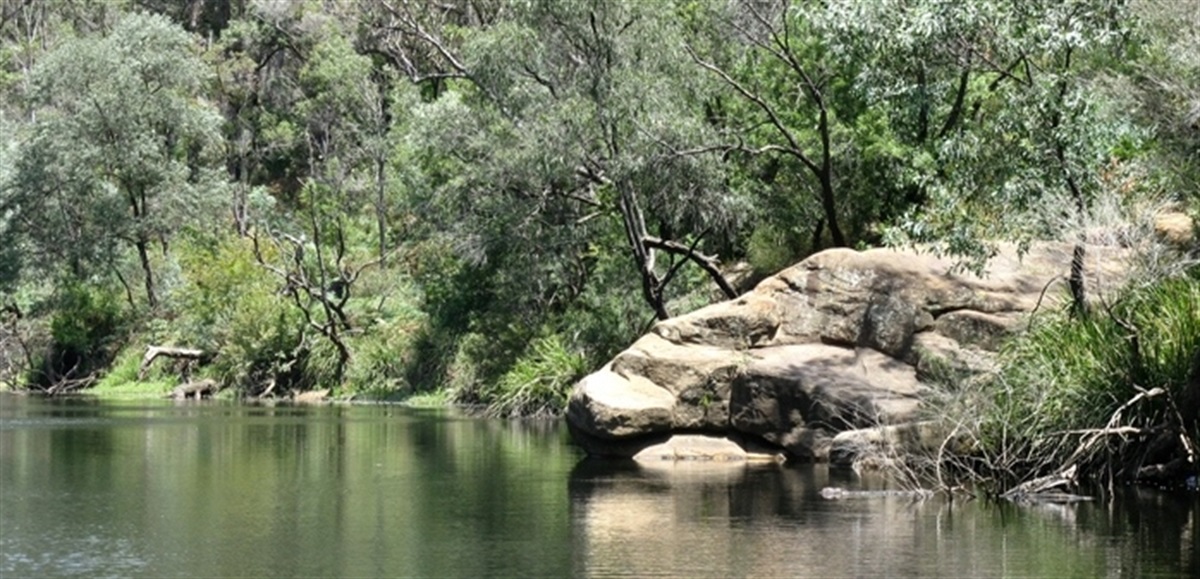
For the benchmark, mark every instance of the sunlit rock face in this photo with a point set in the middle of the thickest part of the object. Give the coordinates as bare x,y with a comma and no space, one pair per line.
842,341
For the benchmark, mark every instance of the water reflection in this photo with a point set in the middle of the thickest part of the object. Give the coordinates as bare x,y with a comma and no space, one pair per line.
205,489
219,490
695,519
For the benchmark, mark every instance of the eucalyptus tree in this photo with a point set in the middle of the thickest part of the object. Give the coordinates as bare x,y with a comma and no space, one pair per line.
576,117
120,154
344,123
954,121
1163,87
798,117
1037,139
257,62
348,125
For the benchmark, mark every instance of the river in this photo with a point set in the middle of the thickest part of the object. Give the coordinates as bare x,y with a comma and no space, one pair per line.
209,489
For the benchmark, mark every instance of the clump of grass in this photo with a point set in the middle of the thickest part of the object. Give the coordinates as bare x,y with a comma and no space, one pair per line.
432,399
1109,391
1077,371
539,383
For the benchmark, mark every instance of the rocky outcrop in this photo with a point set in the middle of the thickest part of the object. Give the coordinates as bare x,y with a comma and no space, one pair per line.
841,342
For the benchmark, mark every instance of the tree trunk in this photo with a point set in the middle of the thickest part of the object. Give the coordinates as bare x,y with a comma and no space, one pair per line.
381,219
643,256
828,196
144,257
1078,290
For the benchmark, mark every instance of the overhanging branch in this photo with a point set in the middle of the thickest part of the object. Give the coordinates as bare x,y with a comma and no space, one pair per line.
708,263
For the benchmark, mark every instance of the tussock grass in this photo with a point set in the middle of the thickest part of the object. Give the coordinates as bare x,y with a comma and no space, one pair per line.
1114,392
1076,372
539,383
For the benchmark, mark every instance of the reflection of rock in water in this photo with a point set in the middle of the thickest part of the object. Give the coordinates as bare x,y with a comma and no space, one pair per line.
690,518
707,518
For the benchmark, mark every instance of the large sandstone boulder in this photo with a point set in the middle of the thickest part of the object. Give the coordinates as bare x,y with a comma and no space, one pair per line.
838,343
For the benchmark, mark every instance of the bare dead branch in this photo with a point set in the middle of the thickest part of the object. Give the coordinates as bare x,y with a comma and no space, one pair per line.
155,352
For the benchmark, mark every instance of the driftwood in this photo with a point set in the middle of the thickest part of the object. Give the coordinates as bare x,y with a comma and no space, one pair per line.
1044,487
197,390
154,352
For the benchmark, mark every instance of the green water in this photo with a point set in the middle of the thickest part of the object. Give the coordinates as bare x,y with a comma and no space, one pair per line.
160,489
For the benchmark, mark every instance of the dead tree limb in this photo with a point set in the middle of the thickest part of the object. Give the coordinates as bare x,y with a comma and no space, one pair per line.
154,352
708,263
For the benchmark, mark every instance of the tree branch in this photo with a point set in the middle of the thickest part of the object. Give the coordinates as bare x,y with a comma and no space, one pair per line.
708,263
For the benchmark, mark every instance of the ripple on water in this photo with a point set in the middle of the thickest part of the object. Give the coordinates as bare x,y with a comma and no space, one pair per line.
69,553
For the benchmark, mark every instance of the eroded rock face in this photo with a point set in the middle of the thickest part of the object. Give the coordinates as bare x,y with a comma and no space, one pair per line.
837,343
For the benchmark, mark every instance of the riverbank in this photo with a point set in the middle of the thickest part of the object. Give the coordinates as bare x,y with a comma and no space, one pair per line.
160,389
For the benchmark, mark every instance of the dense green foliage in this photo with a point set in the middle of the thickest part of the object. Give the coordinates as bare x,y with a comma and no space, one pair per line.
491,197
1072,374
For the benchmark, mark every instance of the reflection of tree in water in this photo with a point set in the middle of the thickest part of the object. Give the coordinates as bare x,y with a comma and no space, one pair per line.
1160,529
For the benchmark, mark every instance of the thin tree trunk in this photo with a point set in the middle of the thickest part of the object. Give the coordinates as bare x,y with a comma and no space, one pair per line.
643,256
828,196
144,257
381,219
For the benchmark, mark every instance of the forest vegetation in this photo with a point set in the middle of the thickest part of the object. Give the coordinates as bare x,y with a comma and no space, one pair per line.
486,199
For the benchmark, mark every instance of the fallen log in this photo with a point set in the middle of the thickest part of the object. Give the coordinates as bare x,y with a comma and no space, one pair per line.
839,493
154,352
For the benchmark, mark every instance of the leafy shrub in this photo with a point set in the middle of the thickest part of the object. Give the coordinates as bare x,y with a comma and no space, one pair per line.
85,327
387,305
85,320
381,358
769,250
232,306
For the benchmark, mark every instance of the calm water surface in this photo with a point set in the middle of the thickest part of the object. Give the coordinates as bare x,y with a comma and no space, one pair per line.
163,489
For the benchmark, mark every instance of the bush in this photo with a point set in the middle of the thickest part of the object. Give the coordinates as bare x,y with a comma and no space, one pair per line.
231,305
385,347
85,320
769,250
85,328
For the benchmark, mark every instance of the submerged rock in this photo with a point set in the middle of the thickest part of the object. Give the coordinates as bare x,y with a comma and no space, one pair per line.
841,342
693,447
839,493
